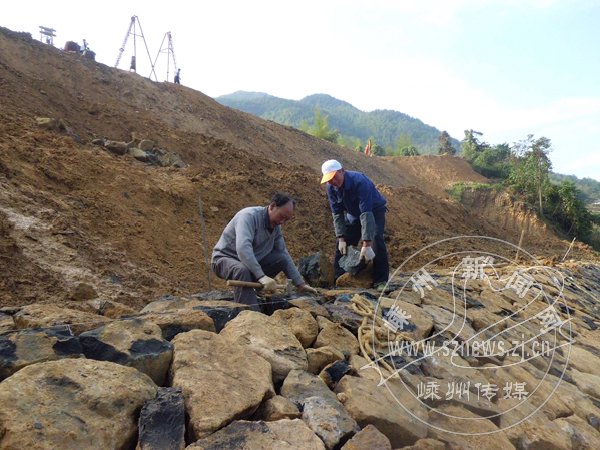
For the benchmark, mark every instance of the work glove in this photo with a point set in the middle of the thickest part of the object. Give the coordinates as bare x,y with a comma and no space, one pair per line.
367,254
269,284
307,288
342,246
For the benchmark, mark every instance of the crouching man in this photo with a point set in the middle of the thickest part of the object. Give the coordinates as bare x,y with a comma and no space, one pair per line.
252,248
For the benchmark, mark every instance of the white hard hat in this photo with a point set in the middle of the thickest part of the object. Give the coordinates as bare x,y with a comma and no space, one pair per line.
329,168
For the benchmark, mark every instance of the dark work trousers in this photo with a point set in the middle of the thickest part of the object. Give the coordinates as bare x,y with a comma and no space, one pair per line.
381,267
232,269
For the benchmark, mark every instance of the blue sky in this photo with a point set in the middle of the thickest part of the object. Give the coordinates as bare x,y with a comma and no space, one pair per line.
506,68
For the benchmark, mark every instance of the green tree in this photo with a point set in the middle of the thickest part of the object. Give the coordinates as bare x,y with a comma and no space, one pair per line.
493,162
405,147
408,151
321,129
564,205
445,147
490,161
377,149
471,145
404,141
531,167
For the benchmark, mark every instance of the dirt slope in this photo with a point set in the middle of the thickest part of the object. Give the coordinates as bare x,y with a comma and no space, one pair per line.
72,213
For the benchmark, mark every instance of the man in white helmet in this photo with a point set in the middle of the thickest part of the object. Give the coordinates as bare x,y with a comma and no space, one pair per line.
358,210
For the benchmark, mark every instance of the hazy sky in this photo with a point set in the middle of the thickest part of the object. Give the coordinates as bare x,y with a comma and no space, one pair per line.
506,68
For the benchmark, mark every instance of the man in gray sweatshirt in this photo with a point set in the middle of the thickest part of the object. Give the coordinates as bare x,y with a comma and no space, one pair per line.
252,248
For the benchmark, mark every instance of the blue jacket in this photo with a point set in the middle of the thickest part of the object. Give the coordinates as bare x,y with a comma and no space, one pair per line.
358,198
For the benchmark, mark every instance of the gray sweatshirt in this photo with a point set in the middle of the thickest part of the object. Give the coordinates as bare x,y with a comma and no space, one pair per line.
248,239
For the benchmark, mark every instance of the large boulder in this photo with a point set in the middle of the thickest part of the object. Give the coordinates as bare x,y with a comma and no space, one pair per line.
72,404
277,408
320,357
300,322
320,407
582,434
221,381
300,385
23,348
283,434
369,438
178,321
469,431
219,310
110,309
311,305
586,382
170,303
132,343
449,324
329,420
369,403
418,324
584,361
38,315
268,338
336,336
342,314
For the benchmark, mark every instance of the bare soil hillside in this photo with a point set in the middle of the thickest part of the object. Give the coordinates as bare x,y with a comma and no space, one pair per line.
75,218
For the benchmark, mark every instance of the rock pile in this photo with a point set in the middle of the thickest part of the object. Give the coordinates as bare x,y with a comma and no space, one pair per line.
327,372
143,150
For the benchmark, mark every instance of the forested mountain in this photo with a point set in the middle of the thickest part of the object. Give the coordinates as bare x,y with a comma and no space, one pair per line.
385,127
589,187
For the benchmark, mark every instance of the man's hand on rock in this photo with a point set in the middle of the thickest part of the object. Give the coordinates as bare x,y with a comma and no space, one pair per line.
269,284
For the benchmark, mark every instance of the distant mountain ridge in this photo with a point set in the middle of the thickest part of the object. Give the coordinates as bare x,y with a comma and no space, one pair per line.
385,126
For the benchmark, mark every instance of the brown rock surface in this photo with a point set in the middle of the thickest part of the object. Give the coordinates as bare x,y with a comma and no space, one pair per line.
131,342
368,404
300,322
270,339
277,408
72,404
322,356
472,428
336,336
221,381
43,316
282,435
369,438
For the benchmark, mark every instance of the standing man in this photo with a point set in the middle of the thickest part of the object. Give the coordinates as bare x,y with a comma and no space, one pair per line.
178,77
252,248
358,210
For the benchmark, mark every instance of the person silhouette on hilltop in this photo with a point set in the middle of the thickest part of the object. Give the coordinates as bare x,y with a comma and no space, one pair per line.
178,77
